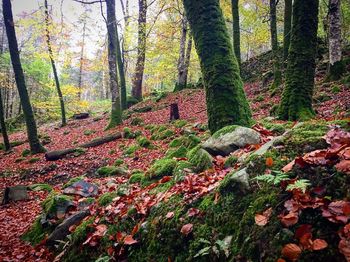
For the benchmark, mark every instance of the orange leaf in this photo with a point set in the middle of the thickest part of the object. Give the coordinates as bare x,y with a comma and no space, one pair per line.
269,162
170,215
289,219
288,167
135,229
263,219
344,248
186,229
128,240
319,244
306,241
291,251
346,208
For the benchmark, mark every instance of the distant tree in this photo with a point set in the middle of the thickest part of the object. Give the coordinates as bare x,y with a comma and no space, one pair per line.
336,64
3,126
35,145
184,56
53,64
136,90
288,5
121,71
116,114
226,101
277,75
296,102
236,31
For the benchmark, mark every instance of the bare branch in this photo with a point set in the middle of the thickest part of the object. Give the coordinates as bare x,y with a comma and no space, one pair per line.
89,2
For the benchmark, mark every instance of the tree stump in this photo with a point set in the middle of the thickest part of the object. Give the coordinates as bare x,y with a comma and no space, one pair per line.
81,116
174,112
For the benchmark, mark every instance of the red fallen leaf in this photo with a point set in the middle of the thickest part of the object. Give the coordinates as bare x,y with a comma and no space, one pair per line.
193,212
110,251
186,229
100,230
302,230
336,207
300,162
344,248
165,179
269,162
263,219
346,209
343,219
128,240
170,215
345,153
319,244
288,167
343,166
135,229
119,236
290,219
291,252
72,228
306,241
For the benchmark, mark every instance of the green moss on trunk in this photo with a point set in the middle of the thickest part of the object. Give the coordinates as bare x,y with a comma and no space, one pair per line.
296,103
226,101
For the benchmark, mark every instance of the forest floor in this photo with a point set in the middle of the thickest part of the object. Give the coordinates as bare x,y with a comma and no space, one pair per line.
332,101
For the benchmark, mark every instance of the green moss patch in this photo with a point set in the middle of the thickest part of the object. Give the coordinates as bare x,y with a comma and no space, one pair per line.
199,158
111,171
162,167
106,198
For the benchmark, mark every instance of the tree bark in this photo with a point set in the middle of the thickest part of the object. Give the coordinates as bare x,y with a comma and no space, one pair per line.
226,101
81,67
121,71
58,154
288,6
3,126
296,102
277,75
236,31
116,114
32,133
53,64
174,112
336,65
136,90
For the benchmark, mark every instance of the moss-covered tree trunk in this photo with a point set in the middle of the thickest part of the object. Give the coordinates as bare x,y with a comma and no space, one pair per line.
121,71
296,102
226,101
116,114
236,31
277,75
32,132
53,64
336,65
3,126
136,90
288,5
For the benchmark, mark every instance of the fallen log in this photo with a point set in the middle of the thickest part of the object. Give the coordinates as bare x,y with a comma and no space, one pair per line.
81,116
58,154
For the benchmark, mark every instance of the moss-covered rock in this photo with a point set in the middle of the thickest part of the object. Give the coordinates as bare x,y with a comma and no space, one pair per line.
130,150
106,198
55,206
72,181
136,178
162,167
118,162
36,233
180,123
40,187
181,169
163,135
231,161
128,133
200,159
177,153
189,141
144,142
25,152
111,171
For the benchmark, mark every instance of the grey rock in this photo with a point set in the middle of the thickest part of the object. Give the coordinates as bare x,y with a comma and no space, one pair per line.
226,143
81,188
15,193
237,181
62,230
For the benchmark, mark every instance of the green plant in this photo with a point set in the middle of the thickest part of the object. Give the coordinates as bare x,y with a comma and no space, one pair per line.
300,184
273,179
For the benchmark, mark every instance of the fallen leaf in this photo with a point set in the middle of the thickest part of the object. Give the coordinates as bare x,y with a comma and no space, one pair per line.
170,215
306,241
302,230
269,162
344,248
290,219
261,220
291,252
186,229
193,212
128,240
319,244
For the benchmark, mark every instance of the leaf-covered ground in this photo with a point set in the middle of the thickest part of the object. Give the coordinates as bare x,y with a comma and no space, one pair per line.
331,102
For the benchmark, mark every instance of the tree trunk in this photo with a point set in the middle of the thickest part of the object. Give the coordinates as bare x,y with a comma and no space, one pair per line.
3,126
236,31
288,5
53,64
116,114
121,71
181,65
336,65
296,102
187,58
136,90
226,101
32,133
277,75
81,67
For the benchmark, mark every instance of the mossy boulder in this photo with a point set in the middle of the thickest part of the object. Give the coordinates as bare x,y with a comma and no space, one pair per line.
129,151
176,153
144,142
37,232
181,169
163,135
118,162
55,206
200,159
136,178
229,139
106,198
136,121
107,171
162,167
189,141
